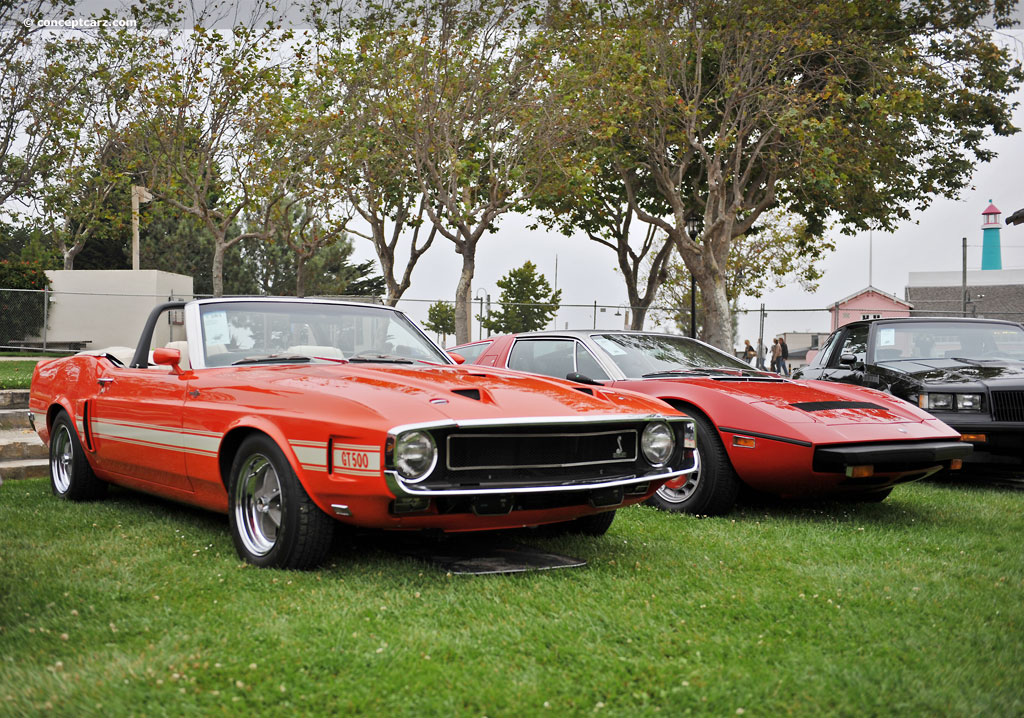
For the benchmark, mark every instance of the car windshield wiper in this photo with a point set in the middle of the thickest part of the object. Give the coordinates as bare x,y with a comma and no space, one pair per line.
700,372
273,359
381,359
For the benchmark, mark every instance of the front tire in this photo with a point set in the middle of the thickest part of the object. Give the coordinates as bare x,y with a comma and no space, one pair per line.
71,477
711,490
274,523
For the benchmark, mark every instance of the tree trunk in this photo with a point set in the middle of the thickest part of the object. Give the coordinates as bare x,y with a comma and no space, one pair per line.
300,275
464,296
637,315
218,267
717,314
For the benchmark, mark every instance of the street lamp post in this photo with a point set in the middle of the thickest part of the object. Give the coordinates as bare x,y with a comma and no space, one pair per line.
480,295
139,195
693,227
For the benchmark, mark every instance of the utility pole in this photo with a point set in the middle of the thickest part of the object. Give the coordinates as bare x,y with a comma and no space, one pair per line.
693,307
760,341
963,293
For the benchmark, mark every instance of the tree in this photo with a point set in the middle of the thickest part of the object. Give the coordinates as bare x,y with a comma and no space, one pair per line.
527,302
33,108
86,188
464,79
357,95
222,125
596,204
778,253
441,319
858,110
21,301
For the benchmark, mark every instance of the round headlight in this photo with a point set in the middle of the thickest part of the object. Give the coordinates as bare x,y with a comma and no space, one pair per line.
415,454
658,442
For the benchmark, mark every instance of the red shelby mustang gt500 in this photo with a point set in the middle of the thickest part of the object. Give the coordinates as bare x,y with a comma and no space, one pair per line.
291,414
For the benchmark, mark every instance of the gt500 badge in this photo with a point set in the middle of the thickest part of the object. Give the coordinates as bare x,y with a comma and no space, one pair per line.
358,459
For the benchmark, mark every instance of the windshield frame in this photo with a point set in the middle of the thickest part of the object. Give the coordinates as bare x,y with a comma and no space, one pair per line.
197,350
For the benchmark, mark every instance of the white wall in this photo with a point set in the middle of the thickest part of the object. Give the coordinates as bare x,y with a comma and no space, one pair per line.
107,307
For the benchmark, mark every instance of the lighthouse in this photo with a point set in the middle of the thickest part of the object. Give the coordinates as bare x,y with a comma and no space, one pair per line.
991,256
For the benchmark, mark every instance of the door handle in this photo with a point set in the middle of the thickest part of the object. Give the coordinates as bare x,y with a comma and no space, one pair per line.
104,380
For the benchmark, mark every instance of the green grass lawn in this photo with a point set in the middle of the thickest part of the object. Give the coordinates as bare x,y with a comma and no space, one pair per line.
16,374
137,607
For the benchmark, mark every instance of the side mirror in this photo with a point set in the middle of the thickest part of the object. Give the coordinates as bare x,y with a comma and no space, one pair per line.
168,357
457,358
848,360
582,379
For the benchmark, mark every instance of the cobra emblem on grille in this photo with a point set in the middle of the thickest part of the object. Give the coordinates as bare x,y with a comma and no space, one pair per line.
620,453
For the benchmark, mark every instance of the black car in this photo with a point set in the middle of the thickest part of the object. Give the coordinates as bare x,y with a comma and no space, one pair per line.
967,372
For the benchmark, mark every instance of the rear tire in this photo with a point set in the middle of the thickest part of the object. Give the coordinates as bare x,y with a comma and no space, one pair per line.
709,491
274,523
71,477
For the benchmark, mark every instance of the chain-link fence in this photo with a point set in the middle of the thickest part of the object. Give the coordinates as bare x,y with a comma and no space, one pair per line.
35,320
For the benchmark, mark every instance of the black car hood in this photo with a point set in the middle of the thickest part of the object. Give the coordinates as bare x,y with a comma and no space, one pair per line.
952,371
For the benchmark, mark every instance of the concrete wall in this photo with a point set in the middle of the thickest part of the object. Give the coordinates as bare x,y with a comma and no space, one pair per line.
107,307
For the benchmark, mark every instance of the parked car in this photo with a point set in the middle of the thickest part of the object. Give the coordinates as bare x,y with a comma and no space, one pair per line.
289,415
775,435
967,372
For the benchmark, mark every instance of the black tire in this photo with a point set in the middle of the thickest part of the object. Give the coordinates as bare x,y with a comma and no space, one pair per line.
71,477
274,523
592,525
712,489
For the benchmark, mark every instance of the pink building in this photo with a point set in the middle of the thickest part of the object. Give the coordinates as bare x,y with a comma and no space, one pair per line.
868,303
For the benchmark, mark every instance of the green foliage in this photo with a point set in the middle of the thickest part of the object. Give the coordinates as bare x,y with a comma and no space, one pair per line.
527,302
139,605
859,110
21,312
441,318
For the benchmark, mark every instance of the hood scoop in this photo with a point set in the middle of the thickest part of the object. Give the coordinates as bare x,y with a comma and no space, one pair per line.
468,393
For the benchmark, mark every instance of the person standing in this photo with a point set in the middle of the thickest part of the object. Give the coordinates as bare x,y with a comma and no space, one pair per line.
776,354
783,362
748,352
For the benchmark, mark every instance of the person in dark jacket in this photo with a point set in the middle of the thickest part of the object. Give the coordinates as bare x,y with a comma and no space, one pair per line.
782,363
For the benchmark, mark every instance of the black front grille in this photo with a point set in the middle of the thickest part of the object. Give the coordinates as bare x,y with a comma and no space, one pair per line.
565,448
1008,405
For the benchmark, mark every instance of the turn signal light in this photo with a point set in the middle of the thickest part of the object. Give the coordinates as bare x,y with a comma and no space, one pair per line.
980,438
956,464
860,472
747,442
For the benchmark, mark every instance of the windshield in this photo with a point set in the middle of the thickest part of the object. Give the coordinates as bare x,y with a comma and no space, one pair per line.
948,340
639,355
250,332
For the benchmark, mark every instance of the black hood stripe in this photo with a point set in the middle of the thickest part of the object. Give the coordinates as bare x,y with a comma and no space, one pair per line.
827,405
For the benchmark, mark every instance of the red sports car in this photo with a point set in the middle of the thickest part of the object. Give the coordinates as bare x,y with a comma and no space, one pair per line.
789,438
289,415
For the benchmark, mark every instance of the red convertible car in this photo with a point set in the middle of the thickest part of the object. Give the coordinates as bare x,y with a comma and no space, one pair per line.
289,415
789,438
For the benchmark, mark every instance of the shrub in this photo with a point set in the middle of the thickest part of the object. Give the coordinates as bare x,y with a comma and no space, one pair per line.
21,312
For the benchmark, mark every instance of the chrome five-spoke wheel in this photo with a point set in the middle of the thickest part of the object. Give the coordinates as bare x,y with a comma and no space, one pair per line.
258,509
